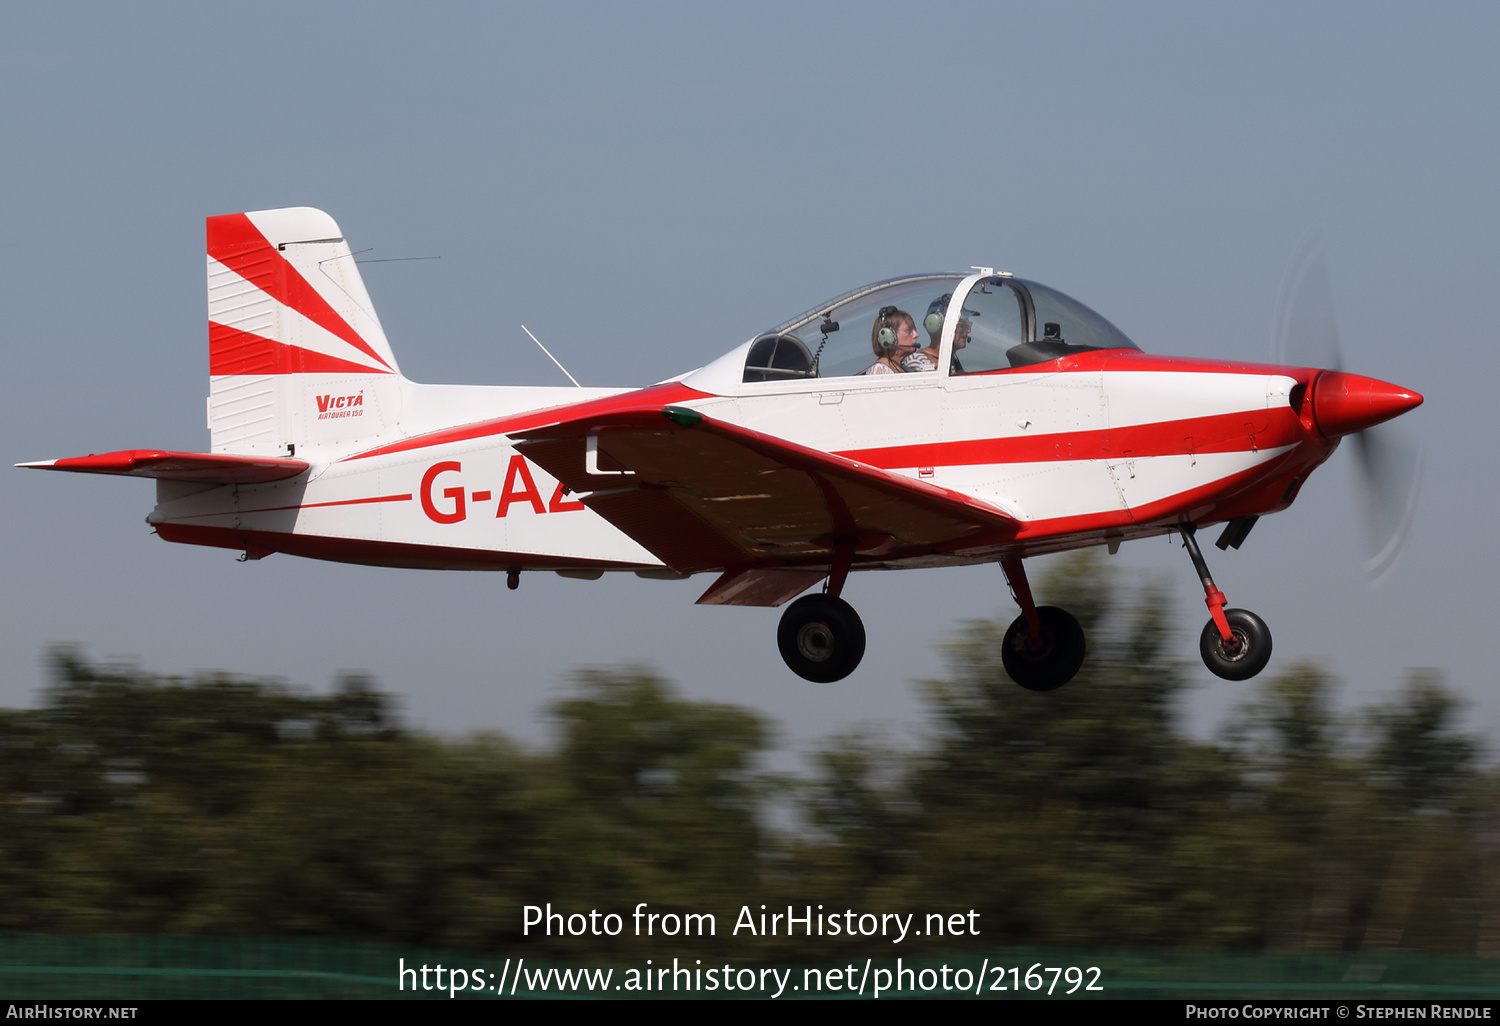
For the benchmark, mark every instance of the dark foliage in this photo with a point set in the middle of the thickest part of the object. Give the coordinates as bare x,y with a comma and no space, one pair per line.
219,805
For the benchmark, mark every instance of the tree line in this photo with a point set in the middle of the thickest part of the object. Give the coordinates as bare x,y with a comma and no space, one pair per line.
1086,817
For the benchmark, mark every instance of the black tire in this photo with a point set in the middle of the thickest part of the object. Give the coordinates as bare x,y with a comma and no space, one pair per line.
1255,646
821,639
1051,663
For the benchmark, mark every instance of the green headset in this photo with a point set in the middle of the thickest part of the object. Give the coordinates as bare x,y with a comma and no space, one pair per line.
933,322
885,337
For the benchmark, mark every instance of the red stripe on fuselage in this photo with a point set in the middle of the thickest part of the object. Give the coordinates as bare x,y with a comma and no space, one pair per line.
1217,433
656,395
1253,491
335,502
231,351
1224,432
306,505
1126,360
379,553
235,242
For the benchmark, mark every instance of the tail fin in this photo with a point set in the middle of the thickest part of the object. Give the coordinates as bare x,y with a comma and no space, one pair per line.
297,357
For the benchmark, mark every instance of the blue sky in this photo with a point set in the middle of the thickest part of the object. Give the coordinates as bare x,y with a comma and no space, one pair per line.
647,185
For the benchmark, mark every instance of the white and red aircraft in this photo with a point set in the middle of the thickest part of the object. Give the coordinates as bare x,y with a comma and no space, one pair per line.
803,454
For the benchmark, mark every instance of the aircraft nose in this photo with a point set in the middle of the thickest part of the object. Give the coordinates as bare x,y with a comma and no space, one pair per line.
1346,403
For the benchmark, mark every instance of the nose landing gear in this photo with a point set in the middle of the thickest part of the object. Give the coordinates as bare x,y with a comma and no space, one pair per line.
1235,644
1249,653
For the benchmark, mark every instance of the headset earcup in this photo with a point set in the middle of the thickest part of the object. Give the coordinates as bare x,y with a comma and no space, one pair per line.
886,337
933,322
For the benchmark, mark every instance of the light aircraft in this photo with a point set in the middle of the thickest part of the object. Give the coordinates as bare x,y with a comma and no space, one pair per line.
1032,426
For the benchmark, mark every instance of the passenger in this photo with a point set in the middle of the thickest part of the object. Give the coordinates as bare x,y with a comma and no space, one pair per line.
893,337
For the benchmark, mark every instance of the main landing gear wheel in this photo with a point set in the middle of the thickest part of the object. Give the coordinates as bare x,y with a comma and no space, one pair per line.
821,638
1243,660
1049,661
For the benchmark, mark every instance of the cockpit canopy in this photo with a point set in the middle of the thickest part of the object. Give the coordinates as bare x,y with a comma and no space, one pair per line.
1002,323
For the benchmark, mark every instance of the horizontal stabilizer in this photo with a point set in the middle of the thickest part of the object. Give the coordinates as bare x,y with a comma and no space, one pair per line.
206,468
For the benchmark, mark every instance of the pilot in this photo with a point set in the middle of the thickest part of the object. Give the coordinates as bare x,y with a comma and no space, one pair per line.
893,337
960,340
926,359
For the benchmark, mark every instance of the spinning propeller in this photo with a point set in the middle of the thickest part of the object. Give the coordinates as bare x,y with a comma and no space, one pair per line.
1390,458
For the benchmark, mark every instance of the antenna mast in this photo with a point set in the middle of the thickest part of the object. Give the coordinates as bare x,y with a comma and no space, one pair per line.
550,356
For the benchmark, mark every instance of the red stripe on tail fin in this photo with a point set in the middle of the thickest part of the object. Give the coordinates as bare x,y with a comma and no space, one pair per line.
231,351
235,242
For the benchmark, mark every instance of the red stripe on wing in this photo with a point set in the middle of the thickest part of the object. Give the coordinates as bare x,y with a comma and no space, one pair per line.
206,467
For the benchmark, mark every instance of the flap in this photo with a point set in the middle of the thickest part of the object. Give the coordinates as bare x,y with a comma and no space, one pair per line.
207,468
759,587
704,494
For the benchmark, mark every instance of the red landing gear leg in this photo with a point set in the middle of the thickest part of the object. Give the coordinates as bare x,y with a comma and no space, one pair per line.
1212,595
1235,643
1044,647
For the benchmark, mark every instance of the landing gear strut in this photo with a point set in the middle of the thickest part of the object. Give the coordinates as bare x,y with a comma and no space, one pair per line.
1044,647
1235,644
821,637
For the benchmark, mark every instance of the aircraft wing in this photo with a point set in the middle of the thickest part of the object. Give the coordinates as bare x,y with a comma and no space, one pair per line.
203,467
703,494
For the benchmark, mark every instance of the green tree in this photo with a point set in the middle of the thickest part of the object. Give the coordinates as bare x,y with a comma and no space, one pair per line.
1420,759
136,804
667,793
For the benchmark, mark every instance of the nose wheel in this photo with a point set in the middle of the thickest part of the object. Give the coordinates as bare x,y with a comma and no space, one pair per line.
1246,656
1235,644
821,638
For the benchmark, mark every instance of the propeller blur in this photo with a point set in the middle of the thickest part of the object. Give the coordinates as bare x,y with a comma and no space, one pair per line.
1390,460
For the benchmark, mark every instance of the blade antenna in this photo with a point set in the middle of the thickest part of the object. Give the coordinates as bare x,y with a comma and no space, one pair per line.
550,356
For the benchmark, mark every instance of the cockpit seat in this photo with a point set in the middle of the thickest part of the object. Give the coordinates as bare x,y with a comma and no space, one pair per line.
779,358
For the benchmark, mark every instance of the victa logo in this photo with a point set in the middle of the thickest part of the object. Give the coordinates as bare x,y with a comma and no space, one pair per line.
333,406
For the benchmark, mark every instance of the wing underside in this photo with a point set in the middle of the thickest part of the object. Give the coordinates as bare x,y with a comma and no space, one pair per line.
702,494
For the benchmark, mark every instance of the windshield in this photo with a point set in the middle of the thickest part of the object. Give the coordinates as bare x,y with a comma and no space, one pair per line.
1076,324
1013,322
